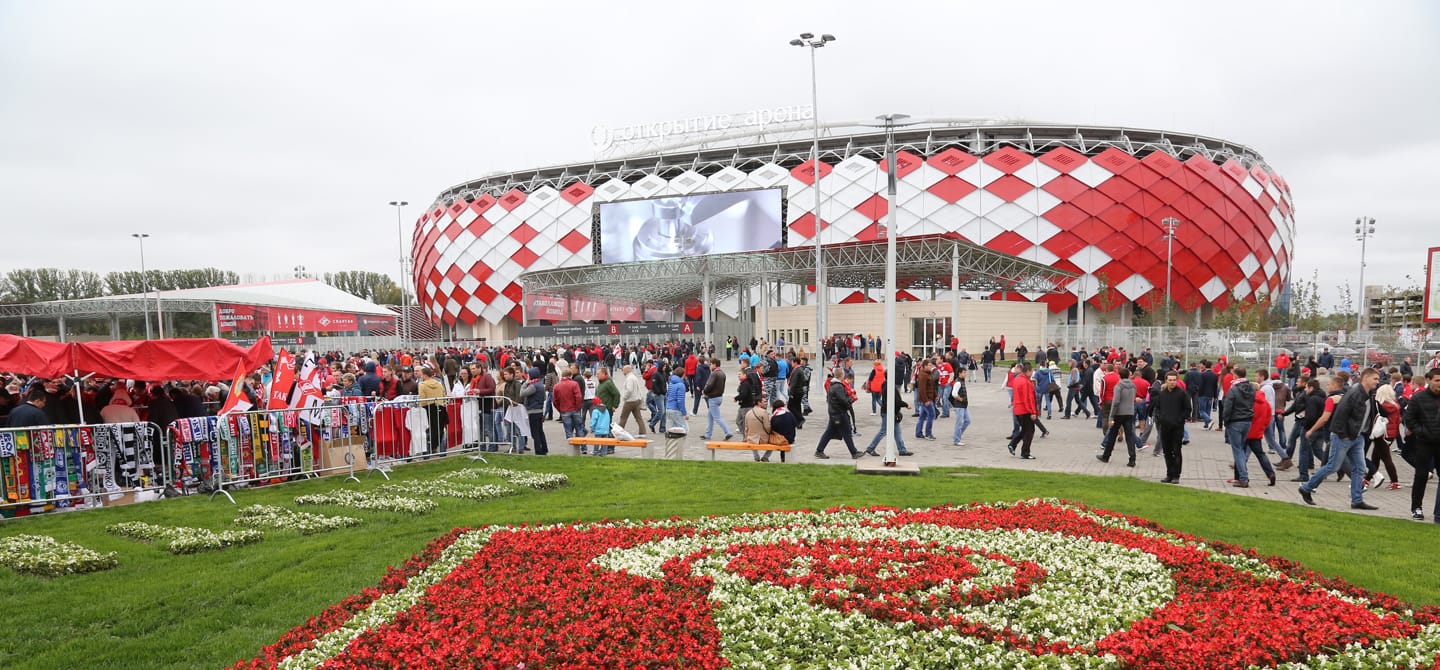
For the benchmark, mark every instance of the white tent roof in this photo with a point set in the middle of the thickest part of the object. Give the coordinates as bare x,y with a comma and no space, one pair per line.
293,293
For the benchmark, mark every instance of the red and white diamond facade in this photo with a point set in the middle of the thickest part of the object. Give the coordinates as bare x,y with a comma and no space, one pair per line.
1086,200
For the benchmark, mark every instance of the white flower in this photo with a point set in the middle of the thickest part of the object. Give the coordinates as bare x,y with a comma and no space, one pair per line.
286,519
381,502
441,487
44,555
182,540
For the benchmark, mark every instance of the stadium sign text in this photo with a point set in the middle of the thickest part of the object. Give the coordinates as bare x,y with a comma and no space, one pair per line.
603,137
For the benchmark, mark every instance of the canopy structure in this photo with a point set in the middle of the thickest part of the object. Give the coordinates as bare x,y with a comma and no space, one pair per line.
941,261
202,359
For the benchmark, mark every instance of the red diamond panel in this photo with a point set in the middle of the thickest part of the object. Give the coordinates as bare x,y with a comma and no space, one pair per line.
805,225
576,192
1064,244
513,199
874,208
1059,302
483,203
1009,187
466,316
951,189
457,207
480,271
870,233
1062,159
1235,169
485,293
1117,188
516,313
1008,243
1008,160
513,291
1093,202
1144,204
479,226
952,161
1066,216
453,230
523,233
1065,187
524,257
1141,176
805,172
574,241
1114,160
905,163
1162,163
454,273
1167,191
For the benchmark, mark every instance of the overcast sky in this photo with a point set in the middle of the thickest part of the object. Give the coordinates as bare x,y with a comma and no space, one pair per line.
256,136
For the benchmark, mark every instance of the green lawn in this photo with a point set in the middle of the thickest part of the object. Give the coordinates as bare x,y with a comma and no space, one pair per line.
209,610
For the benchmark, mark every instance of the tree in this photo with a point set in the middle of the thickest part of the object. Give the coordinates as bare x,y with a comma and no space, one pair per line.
373,286
28,285
1305,304
125,283
1107,298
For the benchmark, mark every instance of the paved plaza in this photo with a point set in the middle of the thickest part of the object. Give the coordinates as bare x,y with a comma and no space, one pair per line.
1071,447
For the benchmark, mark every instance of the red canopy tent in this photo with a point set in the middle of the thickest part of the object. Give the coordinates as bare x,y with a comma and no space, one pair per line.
203,359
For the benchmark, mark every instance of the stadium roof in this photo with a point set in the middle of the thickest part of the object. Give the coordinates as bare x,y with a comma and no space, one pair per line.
922,261
295,293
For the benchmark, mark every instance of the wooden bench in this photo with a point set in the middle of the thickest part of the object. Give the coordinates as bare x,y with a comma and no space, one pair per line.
745,446
577,442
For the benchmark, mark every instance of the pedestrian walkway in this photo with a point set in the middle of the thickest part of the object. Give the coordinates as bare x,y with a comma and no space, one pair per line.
1071,448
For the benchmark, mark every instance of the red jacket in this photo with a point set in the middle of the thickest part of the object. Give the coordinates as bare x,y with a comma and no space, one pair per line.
1024,402
1262,409
567,396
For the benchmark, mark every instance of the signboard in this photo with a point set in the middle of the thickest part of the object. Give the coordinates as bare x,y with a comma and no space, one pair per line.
600,331
247,342
253,318
1432,285
369,324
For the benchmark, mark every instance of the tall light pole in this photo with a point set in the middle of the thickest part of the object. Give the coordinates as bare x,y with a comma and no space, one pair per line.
1364,228
809,40
145,281
891,453
1170,223
404,320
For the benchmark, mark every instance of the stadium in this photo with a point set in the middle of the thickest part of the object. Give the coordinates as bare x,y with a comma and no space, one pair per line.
1090,200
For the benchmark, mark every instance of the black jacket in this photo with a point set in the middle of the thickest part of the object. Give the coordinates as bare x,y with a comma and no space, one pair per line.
885,404
1209,383
1422,417
27,415
1239,403
837,399
1170,408
1351,413
748,390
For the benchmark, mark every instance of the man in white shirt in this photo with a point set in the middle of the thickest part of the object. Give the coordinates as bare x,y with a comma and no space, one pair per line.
632,394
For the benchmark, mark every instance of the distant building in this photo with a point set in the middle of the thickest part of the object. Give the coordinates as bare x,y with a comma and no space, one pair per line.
1389,308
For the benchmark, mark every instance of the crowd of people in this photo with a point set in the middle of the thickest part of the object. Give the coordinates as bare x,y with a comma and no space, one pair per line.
1318,420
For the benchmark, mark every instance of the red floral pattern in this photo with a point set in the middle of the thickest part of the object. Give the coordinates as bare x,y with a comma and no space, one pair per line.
541,598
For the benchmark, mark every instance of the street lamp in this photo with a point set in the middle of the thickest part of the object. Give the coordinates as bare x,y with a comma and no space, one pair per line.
891,232
145,281
809,40
404,296
1170,223
1364,228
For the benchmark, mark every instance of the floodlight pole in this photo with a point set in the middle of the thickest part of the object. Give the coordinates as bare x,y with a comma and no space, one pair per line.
404,321
821,293
891,453
1364,228
145,281
1170,223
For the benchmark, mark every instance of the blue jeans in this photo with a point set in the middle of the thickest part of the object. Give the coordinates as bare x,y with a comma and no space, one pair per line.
925,425
986,367
714,406
880,436
574,424
1306,451
1235,435
499,432
1352,450
874,402
962,421
944,401
1274,436
1204,404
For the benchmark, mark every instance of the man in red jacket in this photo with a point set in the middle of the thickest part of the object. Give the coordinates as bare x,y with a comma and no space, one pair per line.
1026,412
568,398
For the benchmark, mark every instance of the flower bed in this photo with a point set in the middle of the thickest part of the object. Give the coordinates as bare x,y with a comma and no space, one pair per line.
182,540
375,502
449,489
1034,584
45,556
305,523
535,480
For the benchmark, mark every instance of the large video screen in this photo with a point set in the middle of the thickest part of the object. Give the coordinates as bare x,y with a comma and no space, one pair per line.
689,225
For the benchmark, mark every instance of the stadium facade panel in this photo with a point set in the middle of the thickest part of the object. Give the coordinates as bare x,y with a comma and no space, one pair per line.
1090,200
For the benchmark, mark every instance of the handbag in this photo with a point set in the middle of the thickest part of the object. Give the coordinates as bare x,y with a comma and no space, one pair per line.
1053,388
1378,431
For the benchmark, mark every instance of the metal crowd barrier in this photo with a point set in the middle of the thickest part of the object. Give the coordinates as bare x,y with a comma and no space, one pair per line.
408,429
45,468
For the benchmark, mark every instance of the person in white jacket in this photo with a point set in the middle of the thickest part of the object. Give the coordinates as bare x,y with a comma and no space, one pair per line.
632,395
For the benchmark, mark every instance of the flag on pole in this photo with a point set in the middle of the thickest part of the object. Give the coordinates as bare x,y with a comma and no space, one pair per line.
236,401
309,396
284,379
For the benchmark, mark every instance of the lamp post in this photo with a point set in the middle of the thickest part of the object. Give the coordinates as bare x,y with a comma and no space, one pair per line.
144,280
809,40
404,320
1170,223
1364,228
891,120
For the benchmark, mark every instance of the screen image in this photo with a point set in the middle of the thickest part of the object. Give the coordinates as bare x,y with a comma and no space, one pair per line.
689,225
